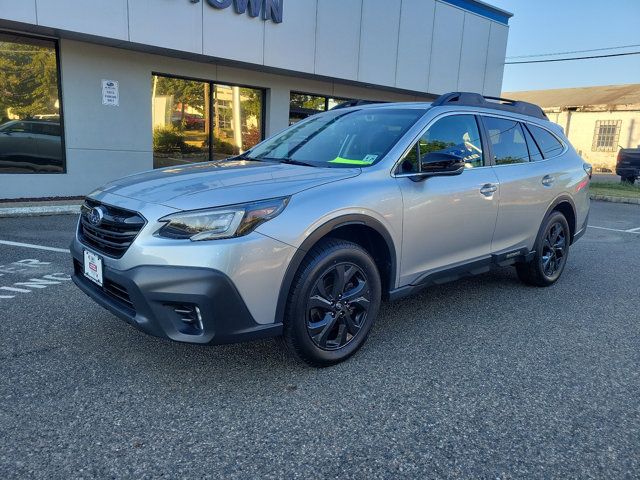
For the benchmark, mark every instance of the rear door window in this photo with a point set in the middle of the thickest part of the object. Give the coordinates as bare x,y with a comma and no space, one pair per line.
534,152
548,143
507,141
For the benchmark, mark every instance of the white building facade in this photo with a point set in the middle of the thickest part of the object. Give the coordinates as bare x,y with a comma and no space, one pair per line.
94,90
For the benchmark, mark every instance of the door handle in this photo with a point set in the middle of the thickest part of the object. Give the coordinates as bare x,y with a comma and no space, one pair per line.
548,180
489,189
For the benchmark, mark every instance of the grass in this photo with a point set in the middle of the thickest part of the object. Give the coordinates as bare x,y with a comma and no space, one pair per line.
615,189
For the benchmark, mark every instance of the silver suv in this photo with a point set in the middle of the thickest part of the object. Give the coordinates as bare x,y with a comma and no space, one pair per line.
306,233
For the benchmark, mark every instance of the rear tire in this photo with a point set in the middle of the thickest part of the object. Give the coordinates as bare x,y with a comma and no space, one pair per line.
630,180
552,250
333,303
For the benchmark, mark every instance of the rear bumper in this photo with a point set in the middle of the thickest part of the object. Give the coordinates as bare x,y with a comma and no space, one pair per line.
628,171
147,297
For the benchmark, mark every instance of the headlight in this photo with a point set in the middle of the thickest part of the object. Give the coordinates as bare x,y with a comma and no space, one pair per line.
223,222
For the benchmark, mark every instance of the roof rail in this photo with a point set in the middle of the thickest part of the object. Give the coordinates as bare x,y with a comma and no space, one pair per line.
468,99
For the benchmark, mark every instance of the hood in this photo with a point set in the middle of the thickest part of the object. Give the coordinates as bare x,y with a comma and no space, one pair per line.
213,184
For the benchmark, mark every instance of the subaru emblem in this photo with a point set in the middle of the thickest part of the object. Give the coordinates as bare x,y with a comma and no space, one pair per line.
96,215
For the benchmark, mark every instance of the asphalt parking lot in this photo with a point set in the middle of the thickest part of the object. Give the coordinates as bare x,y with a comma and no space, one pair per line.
482,378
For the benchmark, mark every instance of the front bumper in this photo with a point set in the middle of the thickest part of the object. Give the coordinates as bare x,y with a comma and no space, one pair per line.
148,296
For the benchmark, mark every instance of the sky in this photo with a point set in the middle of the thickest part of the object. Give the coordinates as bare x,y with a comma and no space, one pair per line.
547,26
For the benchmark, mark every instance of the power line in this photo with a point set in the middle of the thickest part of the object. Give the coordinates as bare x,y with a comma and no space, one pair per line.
574,51
573,58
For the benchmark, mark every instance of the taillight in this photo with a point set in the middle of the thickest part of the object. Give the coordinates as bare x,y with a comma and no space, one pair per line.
588,169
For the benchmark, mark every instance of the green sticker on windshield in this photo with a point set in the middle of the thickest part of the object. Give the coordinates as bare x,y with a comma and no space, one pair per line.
368,160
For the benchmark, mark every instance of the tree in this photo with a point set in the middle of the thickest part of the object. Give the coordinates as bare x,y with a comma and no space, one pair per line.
28,80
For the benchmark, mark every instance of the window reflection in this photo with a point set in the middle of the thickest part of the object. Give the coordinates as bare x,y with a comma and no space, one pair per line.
303,105
237,120
197,121
30,123
181,121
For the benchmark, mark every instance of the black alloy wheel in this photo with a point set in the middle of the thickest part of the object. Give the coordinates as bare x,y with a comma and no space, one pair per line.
333,302
338,306
551,252
554,249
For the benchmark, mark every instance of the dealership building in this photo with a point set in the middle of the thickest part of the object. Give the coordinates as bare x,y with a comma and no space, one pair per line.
93,90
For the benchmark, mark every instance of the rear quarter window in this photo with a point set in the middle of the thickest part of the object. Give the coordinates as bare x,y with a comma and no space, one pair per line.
549,145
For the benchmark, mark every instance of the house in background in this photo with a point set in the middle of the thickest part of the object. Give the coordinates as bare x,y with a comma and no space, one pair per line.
597,120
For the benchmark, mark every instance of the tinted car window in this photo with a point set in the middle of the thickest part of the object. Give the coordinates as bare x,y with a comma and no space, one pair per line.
52,129
455,134
534,152
507,141
547,142
17,127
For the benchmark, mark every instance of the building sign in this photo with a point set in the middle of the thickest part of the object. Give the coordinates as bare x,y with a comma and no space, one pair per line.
110,93
267,9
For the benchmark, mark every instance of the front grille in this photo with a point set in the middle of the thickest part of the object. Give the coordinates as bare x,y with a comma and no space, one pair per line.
114,234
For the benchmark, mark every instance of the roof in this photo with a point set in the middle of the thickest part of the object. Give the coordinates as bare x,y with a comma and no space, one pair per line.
578,97
483,9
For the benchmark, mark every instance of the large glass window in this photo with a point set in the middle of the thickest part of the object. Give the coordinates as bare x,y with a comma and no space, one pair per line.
303,105
30,119
339,138
237,123
507,141
195,121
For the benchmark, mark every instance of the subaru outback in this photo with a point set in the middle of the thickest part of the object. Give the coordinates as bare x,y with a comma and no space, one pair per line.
306,233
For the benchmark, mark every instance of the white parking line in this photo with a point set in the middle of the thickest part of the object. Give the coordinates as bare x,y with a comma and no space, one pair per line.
633,230
36,247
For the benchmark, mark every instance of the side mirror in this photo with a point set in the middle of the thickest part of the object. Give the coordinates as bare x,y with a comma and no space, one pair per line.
440,164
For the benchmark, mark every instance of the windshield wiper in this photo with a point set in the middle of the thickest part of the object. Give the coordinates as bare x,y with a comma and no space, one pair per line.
291,161
244,156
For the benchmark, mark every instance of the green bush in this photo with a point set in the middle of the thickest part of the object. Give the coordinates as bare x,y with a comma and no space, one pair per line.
220,146
168,139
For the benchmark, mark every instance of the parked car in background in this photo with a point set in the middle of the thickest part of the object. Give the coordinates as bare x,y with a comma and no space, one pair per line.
306,233
628,164
30,146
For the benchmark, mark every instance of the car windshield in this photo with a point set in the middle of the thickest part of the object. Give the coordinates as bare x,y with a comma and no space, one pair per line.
340,138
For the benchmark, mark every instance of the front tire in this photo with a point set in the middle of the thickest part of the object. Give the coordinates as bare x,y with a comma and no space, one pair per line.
552,250
333,303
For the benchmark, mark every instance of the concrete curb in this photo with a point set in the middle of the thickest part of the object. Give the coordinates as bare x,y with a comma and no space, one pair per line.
44,210
609,198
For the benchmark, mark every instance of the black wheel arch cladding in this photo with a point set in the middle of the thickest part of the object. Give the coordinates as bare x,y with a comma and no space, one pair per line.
326,230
